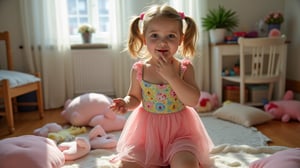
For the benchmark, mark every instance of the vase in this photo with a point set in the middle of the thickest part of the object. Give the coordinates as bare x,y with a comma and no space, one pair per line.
86,37
273,26
217,35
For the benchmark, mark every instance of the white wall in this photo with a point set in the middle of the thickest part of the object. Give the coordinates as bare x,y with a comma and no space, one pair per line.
10,21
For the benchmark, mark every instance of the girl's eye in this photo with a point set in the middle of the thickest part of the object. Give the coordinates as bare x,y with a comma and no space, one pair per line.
154,35
171,36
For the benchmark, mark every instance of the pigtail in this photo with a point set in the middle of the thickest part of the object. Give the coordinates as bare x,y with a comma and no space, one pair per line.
190,38
135,42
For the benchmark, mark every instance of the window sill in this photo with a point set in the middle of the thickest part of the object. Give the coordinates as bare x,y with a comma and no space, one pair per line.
89,46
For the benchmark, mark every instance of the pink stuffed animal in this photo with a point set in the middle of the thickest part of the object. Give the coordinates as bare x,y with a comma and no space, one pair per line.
207,102
92,109
75,149
286,109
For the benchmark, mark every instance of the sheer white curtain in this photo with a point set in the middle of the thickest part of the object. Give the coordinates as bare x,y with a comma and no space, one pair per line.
197,9
47,48
121,13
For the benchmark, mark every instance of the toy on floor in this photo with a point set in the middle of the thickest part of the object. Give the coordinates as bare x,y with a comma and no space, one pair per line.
207,102
83,143
66,134
100,140
286,109
92,109
75,149
46,129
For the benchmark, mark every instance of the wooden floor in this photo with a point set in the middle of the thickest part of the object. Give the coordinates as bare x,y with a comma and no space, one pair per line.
282,134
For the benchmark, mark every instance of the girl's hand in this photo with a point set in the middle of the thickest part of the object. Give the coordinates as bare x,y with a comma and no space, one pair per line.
165,67
118,106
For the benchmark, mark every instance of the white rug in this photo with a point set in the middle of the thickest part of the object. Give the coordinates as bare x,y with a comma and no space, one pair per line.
236,147
225,132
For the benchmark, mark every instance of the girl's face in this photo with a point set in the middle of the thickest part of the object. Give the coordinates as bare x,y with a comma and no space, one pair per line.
162,37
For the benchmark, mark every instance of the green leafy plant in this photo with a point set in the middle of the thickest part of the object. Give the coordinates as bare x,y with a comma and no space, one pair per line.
220,18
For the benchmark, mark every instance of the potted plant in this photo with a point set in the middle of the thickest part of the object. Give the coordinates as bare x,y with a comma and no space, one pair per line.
86,31
274,20
218,21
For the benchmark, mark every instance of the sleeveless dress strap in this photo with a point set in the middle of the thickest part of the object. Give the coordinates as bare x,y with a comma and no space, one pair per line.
138,66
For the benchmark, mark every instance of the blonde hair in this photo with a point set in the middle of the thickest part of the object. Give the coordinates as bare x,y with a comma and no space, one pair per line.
136,39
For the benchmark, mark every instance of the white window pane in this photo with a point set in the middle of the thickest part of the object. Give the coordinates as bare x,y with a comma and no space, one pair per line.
82,7
72,7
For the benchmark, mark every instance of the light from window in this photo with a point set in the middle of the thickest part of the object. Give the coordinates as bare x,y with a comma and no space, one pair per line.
93,12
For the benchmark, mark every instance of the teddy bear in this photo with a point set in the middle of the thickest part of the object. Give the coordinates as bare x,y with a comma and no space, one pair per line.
92,109
207,102
286,109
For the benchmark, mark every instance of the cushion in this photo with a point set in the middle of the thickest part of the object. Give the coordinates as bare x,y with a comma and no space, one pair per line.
242,114
30,151
17,78
286,158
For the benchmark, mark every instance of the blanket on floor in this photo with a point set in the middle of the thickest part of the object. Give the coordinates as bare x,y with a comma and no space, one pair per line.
235,146
224,156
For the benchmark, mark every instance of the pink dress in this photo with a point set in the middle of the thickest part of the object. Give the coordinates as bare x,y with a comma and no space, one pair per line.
161,126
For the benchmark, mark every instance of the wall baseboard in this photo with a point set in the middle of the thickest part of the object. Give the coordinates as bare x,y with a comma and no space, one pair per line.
293,85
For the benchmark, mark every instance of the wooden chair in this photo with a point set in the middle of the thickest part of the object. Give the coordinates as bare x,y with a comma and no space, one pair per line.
260,61
14,84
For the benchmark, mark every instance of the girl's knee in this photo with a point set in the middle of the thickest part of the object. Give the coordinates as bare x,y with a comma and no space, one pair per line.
184,159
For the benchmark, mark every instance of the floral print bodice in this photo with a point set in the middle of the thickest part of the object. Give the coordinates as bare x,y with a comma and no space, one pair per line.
159,98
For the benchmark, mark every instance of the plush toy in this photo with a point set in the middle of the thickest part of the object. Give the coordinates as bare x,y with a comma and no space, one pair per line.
48,128
100,140
66,134
74,143
75,149
92,109
286,109
207,102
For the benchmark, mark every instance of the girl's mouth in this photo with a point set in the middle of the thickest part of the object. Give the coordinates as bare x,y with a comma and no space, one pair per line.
163,51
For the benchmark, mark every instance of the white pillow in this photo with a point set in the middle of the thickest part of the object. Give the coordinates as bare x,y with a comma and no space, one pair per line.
17,78
242,114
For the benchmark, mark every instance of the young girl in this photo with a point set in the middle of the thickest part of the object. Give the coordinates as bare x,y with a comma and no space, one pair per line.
163,129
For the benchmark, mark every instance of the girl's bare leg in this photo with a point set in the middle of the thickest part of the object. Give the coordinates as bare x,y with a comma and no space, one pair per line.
184,159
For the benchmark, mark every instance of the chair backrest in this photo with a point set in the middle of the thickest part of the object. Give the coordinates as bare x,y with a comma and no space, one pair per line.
261,56
4,36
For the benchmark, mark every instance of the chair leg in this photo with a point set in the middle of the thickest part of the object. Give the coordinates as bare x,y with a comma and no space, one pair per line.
8,108
40,102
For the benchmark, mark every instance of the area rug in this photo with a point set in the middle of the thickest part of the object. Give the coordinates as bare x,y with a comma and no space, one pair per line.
225,132
223,156
235,146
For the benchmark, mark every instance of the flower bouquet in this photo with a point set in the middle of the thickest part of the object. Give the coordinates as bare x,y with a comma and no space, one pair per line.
86,31
274,20
86,28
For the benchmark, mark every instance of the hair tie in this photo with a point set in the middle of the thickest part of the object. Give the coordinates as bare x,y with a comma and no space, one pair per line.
142,16
181,14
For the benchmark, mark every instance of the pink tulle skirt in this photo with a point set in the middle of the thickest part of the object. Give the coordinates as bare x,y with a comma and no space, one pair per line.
152,139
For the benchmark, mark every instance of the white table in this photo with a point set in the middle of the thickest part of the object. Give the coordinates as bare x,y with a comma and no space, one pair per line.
220,52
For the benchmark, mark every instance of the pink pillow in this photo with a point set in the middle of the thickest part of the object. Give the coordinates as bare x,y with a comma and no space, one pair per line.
289,158
30,151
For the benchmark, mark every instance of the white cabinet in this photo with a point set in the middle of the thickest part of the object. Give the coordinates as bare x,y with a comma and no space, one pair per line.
224,55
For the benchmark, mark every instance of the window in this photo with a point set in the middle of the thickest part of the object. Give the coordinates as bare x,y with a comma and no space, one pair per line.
93,12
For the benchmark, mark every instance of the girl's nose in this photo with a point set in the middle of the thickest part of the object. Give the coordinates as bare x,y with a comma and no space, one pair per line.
163,42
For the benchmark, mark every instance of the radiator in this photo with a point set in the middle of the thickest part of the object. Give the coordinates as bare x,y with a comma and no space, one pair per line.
93,71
